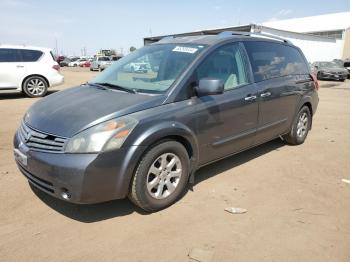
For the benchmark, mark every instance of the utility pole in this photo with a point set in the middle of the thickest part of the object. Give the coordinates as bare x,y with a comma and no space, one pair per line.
56,46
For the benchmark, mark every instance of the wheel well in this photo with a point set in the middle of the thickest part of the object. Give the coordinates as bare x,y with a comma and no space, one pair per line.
308,104
176,138
47,82
184,142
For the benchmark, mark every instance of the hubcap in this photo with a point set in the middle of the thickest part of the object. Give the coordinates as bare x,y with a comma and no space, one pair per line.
302,125
36,87
164,175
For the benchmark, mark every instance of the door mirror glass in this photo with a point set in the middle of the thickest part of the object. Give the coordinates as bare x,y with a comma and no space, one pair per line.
210,86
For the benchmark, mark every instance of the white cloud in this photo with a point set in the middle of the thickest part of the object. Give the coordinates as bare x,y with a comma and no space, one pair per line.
284,12
280,14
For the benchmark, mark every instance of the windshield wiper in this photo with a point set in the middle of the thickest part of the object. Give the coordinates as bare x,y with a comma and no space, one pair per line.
133,91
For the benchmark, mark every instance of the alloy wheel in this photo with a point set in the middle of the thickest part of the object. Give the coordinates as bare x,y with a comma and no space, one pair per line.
36,87
302,125
164,175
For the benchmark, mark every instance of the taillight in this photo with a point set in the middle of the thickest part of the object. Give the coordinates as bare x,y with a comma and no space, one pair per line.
56,67
314,79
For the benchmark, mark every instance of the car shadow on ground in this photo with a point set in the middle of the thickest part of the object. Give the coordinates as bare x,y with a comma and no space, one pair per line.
225,164
116,208
19,95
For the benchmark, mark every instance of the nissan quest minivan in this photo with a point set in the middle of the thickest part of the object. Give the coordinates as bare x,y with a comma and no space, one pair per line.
142,135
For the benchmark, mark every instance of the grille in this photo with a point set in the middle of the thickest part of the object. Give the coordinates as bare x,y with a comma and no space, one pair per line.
338,73
38,182
40,141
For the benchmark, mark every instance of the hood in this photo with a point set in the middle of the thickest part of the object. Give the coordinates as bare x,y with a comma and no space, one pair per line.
67,112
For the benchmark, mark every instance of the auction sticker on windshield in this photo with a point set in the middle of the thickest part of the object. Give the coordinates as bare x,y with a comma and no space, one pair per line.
184,49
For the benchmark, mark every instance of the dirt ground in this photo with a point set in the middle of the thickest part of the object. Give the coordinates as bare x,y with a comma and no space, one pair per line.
298,206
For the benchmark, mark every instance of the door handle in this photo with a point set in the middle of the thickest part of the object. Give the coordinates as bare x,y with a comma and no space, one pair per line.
19,66
250,98
266,94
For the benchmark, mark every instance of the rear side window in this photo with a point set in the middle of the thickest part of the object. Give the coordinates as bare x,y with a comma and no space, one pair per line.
9,55
271,60
30,55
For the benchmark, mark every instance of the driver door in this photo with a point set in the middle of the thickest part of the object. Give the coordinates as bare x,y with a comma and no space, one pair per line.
226,123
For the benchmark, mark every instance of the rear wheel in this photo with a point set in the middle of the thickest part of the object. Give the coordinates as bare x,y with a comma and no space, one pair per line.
35,86
161,176
300,128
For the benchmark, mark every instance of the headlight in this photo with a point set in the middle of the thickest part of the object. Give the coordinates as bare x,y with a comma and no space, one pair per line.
105,136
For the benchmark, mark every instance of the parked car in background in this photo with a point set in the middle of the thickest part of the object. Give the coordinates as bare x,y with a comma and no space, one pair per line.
330,71
137,67
31,70
59,58
77,62
144,137
85,64
65,62
100,63
347,67
115,58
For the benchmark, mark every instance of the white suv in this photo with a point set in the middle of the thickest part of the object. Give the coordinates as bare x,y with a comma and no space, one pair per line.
28,69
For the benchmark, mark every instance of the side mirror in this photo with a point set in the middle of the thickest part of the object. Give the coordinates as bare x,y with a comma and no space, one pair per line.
210,86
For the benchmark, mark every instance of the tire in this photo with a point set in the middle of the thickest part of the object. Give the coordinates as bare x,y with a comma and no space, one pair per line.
300,128
319,76
155,196
35,86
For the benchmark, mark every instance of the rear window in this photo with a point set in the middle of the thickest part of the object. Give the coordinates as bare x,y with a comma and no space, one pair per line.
271,60
9,55
30,55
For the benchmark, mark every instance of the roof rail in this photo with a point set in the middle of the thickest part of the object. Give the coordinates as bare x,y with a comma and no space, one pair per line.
231,33
164,39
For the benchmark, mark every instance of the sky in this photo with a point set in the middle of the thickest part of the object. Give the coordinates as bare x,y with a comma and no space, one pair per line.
91,25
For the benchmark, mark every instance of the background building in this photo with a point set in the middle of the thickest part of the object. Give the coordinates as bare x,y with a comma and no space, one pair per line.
322,38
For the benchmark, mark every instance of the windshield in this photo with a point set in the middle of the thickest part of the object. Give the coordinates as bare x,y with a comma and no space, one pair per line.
328,65
151,69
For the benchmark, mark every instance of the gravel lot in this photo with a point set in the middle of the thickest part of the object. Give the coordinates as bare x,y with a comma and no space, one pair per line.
298,206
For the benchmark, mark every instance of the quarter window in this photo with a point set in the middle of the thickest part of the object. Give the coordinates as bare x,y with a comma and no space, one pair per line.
30,55
228,64
270,60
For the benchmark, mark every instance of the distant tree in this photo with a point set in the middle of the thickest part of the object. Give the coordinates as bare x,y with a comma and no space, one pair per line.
132,49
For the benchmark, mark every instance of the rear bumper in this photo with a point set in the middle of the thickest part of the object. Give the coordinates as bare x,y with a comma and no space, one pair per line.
87,178
56,79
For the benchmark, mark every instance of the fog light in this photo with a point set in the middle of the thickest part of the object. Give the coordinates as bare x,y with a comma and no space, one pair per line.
65,194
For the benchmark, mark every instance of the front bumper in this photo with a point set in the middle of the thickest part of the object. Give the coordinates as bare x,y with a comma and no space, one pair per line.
87,178
332,76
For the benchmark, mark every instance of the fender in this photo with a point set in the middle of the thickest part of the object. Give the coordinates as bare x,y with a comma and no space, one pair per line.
147,134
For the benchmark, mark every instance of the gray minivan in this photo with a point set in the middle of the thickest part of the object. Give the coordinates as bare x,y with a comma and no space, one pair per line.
143,135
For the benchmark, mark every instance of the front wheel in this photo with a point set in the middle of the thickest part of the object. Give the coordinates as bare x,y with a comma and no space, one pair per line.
300,128
161,177
35,86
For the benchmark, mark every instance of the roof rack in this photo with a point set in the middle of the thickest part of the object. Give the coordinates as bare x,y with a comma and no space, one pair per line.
165,38
231,33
